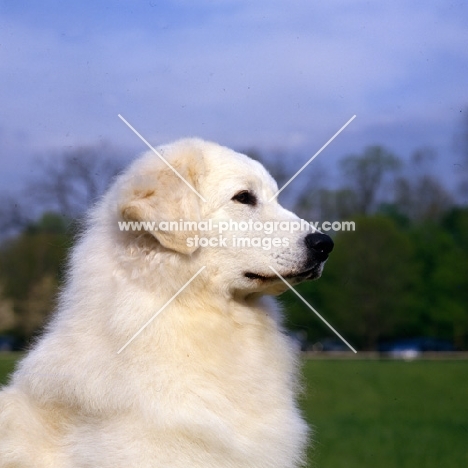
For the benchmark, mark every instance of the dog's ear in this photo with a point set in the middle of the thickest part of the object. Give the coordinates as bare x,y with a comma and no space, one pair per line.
155,195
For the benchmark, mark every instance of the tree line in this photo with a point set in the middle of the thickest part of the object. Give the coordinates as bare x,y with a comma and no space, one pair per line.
403,272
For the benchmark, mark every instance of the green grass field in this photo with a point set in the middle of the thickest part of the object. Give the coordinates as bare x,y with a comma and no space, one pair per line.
388,413
381,414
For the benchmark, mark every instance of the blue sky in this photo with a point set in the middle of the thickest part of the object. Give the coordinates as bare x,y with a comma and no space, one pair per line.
267,74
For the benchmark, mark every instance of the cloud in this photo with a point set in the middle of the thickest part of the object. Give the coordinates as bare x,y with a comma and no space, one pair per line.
244,73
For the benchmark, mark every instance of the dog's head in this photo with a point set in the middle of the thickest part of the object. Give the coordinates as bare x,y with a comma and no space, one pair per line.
210,206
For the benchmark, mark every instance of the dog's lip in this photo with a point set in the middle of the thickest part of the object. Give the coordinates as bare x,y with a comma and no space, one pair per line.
258,276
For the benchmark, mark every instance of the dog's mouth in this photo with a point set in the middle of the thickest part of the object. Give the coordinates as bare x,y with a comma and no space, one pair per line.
311,273
256,276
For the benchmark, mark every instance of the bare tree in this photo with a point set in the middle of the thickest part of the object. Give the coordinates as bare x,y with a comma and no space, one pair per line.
38,305
419,195
365,175
312,193
12,215
72,181
7,314
336,204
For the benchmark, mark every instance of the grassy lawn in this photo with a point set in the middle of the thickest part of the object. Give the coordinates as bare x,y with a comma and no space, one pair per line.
381,413
388,413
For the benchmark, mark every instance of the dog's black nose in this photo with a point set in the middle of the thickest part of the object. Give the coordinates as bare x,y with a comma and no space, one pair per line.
319,243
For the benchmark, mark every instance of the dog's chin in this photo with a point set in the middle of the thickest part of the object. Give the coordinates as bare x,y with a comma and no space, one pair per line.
312,274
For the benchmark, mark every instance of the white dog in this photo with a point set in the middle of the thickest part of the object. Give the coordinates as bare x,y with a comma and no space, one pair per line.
211,381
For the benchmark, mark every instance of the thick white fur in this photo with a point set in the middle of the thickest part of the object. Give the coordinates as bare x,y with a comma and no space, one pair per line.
211,382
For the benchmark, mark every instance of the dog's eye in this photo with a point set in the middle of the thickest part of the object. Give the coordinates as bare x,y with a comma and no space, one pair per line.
245,197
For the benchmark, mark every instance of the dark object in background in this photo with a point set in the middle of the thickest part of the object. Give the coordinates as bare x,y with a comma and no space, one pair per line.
7,343
330,344
415,346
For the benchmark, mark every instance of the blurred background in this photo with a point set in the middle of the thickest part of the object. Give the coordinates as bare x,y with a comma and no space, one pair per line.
275,81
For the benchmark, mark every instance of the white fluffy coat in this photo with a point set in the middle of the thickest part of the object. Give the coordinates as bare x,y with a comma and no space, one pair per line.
211,382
